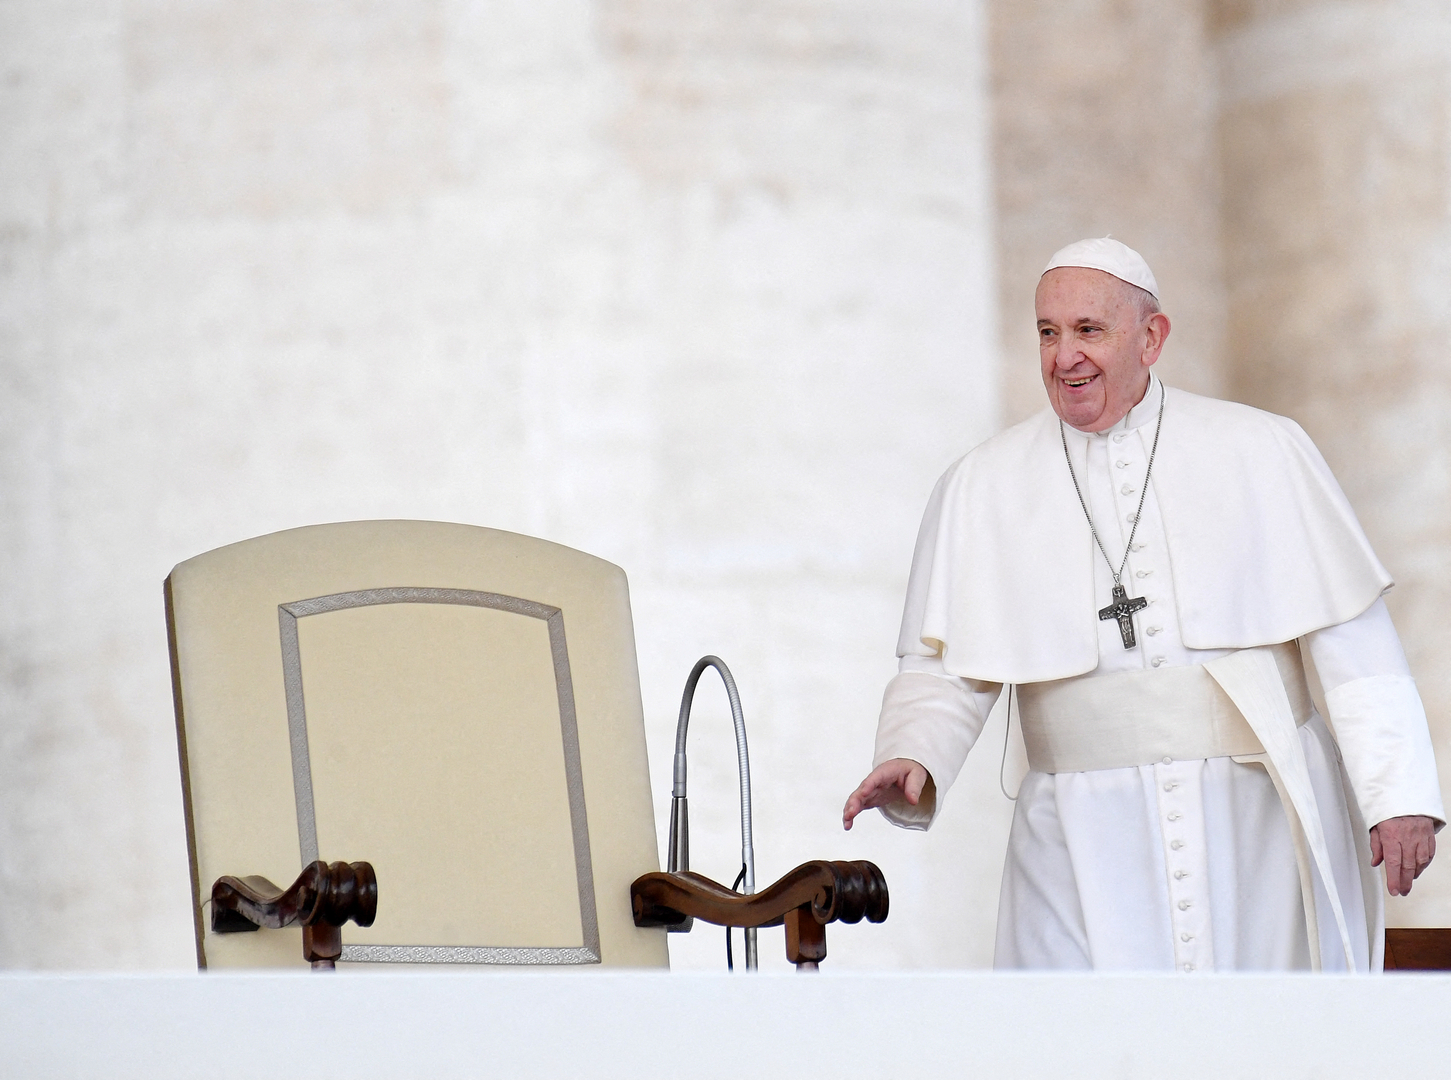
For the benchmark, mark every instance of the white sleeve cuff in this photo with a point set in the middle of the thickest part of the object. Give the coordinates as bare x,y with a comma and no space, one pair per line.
1380,725
933,720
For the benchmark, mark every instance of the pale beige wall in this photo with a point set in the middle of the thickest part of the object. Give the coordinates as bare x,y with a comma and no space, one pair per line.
1336,135
1103,123
702,288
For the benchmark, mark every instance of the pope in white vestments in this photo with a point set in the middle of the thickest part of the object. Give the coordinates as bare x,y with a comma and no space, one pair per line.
1155,572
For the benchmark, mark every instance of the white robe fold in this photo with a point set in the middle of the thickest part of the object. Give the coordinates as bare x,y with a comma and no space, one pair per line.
1245,540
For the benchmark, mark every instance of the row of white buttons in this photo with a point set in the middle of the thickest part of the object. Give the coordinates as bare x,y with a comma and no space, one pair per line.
1180,804
1192,950
1132,518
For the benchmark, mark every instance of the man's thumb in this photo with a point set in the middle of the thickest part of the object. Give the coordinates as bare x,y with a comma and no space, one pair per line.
916,781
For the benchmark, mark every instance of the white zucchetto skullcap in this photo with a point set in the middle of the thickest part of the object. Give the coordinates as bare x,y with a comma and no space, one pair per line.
1108,255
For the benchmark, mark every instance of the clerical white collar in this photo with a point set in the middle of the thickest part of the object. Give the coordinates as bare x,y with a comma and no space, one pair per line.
1145,412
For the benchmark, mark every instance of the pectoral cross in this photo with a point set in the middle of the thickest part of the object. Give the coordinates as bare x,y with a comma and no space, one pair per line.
1122,609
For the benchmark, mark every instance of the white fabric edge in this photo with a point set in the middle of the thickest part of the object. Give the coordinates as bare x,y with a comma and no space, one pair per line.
1380,725
933,720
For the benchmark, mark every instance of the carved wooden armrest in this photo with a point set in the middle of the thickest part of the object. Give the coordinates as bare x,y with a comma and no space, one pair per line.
805,900
321,899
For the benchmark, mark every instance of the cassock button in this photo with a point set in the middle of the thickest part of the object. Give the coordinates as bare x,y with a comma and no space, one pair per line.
1122,464
1186,937
1151,631
1180,875
1143,573
1188,967
1168,761
1171,785
1120,436
1127,489
1185,905
1131,517
1174,815
1159,661
1176,845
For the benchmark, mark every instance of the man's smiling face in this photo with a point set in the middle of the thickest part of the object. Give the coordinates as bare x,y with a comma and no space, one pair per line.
1096,345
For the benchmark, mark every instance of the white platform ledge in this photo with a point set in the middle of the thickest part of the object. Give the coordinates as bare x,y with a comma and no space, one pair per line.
661,1025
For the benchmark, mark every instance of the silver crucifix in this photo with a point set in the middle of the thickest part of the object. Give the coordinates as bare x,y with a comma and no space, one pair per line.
1122,609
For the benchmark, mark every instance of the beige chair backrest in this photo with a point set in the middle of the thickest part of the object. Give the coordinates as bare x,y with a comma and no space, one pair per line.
458,706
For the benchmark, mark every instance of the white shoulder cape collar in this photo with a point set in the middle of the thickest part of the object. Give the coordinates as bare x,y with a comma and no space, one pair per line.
1264,546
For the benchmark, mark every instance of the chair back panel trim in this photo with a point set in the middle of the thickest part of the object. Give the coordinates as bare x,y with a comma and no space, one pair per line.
553,618
469,954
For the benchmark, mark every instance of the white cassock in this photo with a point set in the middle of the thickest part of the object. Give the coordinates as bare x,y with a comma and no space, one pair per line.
1245,541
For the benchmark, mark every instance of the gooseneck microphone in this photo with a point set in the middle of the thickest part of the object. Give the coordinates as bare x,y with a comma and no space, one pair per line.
678,852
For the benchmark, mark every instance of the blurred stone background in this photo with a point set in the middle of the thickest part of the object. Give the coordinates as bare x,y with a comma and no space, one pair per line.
714,291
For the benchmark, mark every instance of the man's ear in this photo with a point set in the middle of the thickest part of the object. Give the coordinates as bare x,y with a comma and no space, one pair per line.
1156,332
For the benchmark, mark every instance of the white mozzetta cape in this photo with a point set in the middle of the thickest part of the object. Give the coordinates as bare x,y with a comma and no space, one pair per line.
1263,546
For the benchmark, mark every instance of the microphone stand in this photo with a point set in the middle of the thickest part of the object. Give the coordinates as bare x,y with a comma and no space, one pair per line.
678,853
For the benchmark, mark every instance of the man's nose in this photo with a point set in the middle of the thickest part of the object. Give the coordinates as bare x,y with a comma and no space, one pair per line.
1068,354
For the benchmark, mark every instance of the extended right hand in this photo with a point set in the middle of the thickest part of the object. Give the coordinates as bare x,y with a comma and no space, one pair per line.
900,778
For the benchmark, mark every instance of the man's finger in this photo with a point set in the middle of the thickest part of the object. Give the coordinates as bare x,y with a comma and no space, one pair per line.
876,788
916,781
864,798
855,804
1405,846
1394,855
869,794
861,799
881,785
1425,851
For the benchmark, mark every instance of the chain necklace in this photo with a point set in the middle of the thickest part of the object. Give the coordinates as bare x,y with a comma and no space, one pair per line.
1123,606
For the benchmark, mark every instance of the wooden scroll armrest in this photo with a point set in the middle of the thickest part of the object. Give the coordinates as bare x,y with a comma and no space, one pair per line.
321,899
805,900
